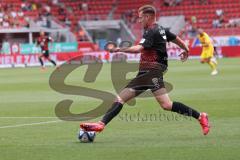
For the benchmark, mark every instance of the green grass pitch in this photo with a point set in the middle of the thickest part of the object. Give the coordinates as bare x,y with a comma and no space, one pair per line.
29,129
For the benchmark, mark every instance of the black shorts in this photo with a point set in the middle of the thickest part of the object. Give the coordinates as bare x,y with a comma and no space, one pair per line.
147,79
45,53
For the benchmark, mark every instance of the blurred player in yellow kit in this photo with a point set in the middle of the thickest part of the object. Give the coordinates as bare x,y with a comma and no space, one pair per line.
207,55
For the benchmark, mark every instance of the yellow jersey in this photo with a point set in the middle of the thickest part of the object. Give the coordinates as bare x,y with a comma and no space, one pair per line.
205,39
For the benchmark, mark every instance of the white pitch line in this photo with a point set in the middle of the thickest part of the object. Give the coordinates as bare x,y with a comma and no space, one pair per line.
29,124
28,117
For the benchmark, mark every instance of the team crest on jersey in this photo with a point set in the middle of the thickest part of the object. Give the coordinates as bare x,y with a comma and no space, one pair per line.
142,41
163,33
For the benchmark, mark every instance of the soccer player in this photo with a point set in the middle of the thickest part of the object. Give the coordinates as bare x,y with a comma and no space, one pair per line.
43,41
207,55
153,62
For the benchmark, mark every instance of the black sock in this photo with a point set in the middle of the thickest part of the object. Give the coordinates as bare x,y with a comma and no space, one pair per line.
185,110
112,112
41,61
53,62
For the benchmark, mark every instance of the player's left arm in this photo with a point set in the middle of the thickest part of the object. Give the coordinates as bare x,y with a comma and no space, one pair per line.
184,55
133,49
178,41
145,43
50,40
38,42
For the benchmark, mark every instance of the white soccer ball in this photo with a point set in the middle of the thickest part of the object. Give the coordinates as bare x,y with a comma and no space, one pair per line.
86,136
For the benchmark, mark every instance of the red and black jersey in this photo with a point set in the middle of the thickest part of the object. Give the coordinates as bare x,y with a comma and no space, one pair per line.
43,42
154,42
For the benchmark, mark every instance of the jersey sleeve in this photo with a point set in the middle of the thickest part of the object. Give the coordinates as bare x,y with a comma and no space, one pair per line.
170,36
147,41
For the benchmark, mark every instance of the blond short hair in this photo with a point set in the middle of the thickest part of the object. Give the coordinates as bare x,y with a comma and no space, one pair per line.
147,9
